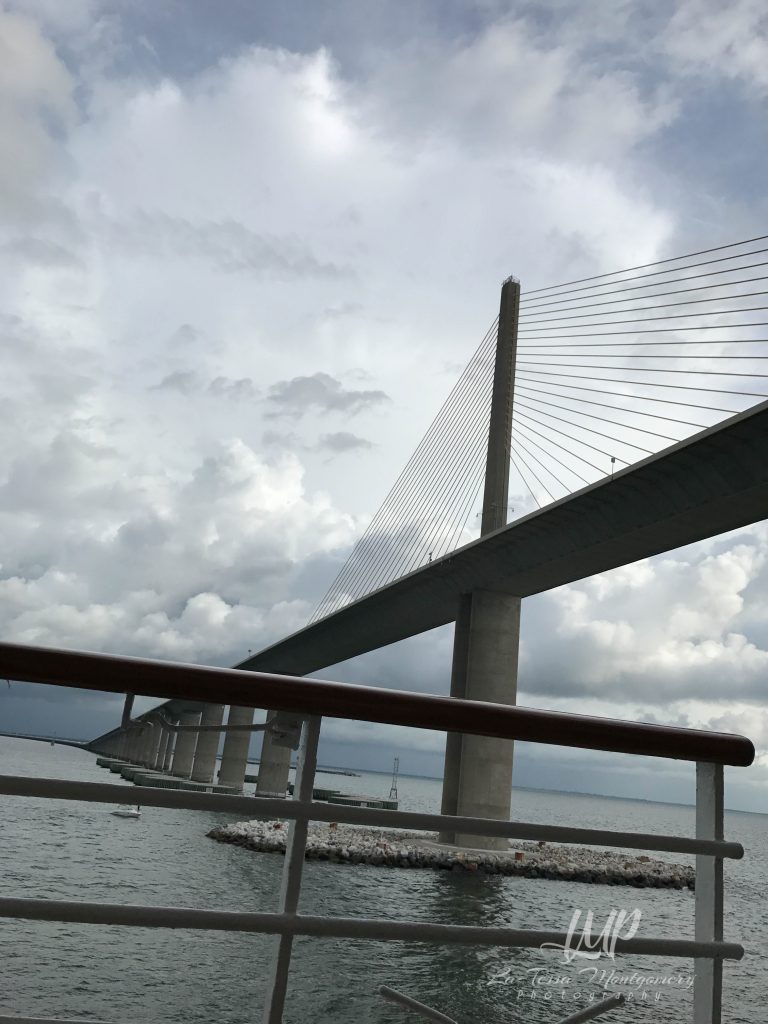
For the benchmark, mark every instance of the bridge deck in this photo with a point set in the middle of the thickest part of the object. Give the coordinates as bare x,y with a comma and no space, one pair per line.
713,482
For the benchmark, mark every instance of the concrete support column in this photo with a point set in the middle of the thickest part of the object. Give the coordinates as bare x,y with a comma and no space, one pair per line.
149,752
274,766
184,752
132,745
204,764
138,741
169,748
234,756
485,775
142,747
165,735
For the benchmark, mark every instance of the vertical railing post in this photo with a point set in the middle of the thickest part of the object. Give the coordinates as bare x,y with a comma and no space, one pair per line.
708,980
293,867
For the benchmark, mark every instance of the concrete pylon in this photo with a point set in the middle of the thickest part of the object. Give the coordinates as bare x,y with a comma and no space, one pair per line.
151,743
165,736
134,741
274,765
169,748
477,780
204,764
184,752
234,756
145,738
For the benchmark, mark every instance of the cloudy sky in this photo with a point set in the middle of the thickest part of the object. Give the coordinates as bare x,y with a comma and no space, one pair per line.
246,250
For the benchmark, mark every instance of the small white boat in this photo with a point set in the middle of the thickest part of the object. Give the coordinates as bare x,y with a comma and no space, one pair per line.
126,811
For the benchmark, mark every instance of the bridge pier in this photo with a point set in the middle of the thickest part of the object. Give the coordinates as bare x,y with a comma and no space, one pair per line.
184,752
234,756
274,766
152,742
204,764
169,748
477,780
165,739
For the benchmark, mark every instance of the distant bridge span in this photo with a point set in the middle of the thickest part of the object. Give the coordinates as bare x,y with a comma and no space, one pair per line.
708,484
80,744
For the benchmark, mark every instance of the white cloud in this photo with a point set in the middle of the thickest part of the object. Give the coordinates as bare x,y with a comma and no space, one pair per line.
728,42
514,84
132,566
670,629
35,101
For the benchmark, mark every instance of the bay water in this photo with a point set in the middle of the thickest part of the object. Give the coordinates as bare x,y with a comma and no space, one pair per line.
76,851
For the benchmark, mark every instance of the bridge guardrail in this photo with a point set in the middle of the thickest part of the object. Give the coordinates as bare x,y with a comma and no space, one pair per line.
311,700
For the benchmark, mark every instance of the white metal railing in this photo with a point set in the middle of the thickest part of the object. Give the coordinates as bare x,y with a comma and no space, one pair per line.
428,1013
707,948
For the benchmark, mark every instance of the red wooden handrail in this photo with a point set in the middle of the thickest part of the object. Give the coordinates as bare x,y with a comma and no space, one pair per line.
167,679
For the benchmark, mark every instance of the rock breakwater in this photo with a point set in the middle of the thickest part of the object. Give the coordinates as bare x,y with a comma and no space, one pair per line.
344,844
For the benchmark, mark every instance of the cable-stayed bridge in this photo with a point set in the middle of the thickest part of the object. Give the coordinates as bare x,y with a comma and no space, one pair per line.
610,375
630,412
609,370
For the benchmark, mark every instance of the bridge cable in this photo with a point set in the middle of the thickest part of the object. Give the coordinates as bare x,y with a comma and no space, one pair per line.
622,394
537,307
639,277
603,419
527,304
518,440
521,426
451,447
644,383
638,309
522,477
607,405
656,263
438,441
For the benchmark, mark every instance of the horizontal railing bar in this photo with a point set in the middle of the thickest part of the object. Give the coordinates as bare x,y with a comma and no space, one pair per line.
365,703
595,1010
408,1003
49,1020
340,927
265,807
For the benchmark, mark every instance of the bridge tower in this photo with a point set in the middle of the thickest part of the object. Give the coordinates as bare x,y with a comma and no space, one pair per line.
477,779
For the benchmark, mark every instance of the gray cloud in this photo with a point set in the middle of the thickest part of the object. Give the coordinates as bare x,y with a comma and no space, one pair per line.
347,309
184,336
227,244
187,382
279,439
343,441
241,389
322,392
41,251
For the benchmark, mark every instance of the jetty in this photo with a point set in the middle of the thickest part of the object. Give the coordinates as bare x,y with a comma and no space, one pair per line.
348,845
